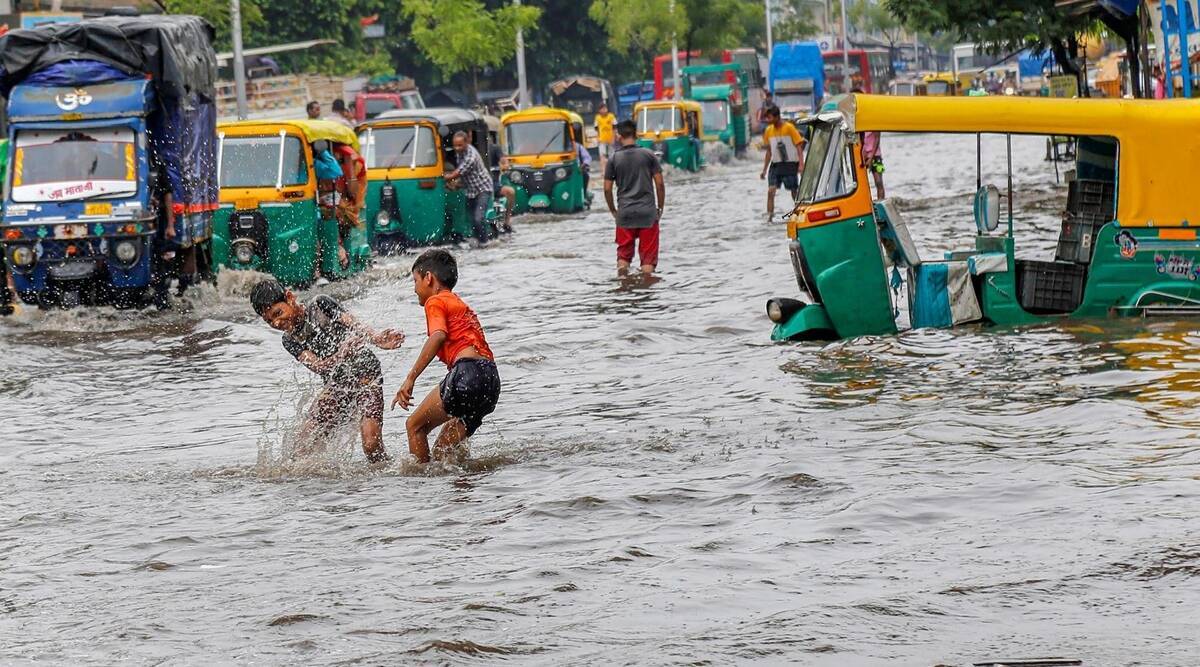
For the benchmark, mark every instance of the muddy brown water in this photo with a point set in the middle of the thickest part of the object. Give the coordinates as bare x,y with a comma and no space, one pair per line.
660,485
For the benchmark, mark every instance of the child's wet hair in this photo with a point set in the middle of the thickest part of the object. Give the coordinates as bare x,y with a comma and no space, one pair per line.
266,294
441,264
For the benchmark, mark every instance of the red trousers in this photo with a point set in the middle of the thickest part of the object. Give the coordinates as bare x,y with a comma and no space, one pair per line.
647,244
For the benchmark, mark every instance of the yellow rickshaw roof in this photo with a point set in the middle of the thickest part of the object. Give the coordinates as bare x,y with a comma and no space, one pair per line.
540,113
313,130
689,105
1158,159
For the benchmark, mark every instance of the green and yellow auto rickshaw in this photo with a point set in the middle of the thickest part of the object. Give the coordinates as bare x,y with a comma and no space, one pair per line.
543,164
672,129
270,218
1128,243
409,202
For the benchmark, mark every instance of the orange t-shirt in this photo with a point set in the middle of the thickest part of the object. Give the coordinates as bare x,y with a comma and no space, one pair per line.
444,311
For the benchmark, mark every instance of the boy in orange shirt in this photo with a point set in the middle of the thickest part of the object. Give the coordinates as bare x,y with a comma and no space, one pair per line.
470,390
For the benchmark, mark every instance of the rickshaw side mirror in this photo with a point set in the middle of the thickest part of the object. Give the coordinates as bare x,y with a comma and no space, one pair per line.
320,146
987,209
444,131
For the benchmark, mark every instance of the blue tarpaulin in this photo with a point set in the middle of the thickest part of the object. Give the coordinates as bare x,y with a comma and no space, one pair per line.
799,60
1034,64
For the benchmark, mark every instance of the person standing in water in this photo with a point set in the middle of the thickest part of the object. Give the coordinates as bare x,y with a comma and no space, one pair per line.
605,122
783,160
641,194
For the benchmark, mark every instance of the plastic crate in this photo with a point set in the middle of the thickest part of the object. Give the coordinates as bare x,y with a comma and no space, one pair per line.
1050,287
1078,237
1088,196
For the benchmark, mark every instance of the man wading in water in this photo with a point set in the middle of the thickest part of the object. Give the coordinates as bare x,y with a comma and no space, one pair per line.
634,171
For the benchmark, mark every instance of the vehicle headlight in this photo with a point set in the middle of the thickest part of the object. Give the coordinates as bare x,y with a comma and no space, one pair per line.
781,310
23,256
516,176
126,252
244,252
383,218
560,173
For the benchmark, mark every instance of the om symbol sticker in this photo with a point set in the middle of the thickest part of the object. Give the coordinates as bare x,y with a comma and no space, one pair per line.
73,100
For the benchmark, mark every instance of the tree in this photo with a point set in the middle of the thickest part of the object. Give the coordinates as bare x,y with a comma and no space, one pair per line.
874,17
715,25
644,27
1001,26
794,21
216,12
463,36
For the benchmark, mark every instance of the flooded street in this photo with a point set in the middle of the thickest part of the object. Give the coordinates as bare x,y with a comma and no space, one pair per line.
660,484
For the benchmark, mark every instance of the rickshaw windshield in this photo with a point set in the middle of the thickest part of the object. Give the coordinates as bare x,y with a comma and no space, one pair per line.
828,169
537,137
660,119
253,162
716,116
412,146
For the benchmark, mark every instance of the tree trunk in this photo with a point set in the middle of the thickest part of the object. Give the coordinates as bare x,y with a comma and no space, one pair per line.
1063,54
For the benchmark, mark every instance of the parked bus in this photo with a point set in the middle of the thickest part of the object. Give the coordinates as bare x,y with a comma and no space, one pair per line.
870,69
664,74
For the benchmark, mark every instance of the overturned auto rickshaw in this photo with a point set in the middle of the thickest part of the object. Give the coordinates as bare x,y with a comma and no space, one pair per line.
1128,245
672,129
544,167
271,218
408,152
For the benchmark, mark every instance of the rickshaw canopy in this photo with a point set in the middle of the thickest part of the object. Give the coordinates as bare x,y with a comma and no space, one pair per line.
313,130
1158,155
539,113
686,105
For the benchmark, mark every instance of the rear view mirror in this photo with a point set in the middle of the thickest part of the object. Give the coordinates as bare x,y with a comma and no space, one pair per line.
987,209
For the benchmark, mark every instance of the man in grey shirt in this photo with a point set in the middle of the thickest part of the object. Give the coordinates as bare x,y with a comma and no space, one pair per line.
638,208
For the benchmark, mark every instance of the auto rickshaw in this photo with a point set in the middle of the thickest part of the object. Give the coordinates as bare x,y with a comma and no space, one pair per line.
941,85
671,128
1128,245
409,201
544,167
271,218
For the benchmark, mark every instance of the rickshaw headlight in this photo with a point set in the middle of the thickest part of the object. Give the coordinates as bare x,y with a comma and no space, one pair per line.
126,252
383,218
22,256
781,310
244,252
560,173
516,176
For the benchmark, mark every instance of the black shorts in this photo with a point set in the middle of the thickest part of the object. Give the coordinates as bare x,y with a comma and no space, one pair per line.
784,175
470,391
338,405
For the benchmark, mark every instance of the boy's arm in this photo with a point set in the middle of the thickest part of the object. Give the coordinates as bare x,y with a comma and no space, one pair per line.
660,189
766,159
388,339
404,396
608,194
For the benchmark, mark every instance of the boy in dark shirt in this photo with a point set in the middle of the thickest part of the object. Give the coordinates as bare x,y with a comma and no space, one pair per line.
641,194
330,342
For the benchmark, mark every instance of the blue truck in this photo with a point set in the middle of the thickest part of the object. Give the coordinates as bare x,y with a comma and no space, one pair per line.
111,159
797,79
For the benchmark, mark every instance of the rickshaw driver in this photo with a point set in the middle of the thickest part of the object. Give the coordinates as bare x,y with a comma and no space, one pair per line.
477,183
353,188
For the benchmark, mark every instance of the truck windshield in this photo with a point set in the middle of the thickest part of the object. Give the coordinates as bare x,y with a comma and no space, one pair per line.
253,162
377,105
716,115
535,137
794,100
389,147
660,119
828,171
70,165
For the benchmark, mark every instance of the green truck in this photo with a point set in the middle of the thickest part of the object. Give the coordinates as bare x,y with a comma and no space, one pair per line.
723,91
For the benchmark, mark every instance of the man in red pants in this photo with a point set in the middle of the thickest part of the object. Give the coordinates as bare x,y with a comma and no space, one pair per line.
641,195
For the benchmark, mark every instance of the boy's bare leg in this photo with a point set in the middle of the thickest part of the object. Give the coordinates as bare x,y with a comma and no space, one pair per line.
622,267
771,203
372,439
429,415
448,440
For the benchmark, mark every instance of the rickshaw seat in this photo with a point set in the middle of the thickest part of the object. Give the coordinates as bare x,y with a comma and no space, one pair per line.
894,229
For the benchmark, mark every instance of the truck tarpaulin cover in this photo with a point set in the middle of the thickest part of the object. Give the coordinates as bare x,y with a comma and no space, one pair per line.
174,52
799,60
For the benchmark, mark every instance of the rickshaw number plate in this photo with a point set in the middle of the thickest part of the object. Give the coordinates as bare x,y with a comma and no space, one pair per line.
246,204
97,208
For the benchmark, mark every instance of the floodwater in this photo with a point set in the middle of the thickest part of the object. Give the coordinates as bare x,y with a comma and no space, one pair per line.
660,485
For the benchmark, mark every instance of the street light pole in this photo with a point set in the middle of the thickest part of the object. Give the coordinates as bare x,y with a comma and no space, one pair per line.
770,43
239,62
845,50
522,83
676,93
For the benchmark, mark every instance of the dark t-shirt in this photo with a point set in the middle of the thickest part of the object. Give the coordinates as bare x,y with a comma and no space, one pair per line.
632,170
322,333
494,157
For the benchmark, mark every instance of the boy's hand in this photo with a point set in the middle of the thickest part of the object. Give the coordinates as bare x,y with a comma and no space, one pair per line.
388,339
404,396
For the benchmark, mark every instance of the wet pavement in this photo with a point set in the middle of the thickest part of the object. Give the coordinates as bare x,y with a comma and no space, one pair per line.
661,484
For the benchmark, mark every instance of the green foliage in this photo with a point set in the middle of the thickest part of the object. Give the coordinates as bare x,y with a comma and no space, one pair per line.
462,35
999,26
216,12
641,26
874,17
574,44
714,25
793,21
